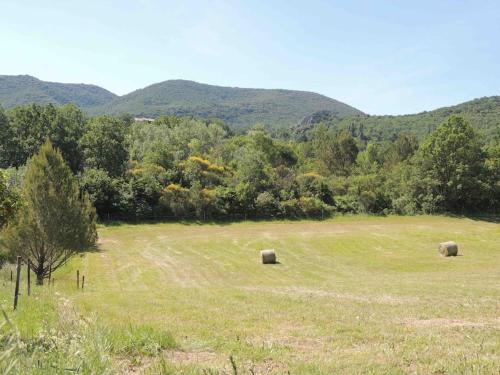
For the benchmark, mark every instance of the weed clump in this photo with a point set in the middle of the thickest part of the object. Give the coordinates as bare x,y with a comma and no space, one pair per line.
133,340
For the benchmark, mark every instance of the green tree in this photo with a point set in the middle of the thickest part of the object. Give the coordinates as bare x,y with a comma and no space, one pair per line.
55,221
6,137
335,155
252,169
29,126
67,128
405,146
175,199
345,153
9,201
101,189
9,204
493,175
266,204
202,200
368,161
146,183
104,145
453,158
322,146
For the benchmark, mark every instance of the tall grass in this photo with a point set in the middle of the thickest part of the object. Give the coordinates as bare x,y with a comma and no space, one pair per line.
73,345
76,344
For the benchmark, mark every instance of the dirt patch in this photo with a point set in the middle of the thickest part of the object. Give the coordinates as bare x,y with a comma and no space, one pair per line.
268,366
222,364
134,366
445,323
141,364
204,358
303,344
309,292
104,241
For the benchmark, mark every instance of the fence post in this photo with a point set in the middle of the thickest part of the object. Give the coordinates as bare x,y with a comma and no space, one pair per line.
83,281
29,276
18,277
77,279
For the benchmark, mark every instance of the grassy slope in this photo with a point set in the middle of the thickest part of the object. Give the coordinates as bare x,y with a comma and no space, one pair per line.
352,295
242,107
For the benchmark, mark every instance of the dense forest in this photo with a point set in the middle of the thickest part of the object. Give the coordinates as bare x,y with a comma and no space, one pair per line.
286,113
25,89
483,114
184,168
239,107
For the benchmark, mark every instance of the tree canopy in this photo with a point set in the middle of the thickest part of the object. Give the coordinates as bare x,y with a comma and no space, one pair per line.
55,221
178,167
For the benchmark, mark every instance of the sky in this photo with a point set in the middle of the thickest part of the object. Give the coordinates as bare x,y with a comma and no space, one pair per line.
382,57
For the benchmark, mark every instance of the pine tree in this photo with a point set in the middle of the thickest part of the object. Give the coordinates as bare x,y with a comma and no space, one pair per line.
55,221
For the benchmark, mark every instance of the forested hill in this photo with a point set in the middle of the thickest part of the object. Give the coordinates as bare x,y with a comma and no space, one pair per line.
244,107
241,107
483,114
24,89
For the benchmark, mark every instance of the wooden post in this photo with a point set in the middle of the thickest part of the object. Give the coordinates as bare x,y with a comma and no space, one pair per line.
29,277
77,279
18,277
83,281
50,273
10,275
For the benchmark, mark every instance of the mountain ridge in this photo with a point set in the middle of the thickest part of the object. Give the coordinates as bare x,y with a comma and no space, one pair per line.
298,111
26,89
242,107
235,105
483,113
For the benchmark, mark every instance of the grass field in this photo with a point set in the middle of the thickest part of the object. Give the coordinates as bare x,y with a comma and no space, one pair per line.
350,295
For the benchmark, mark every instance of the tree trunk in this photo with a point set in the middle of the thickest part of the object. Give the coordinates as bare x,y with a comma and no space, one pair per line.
39,276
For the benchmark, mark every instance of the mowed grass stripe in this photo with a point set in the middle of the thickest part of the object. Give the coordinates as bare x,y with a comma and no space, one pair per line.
354,294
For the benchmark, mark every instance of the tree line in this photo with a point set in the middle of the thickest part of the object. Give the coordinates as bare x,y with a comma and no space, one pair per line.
185,168
60,170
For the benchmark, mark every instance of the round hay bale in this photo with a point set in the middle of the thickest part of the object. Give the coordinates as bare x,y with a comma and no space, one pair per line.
268,256
448,249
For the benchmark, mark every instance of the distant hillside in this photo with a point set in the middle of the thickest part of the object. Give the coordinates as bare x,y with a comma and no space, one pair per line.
238,106
243,107
483,114
19,90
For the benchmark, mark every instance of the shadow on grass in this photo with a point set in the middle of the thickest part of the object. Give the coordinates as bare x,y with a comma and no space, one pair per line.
487,217
195,222
93,249
277,263
490,218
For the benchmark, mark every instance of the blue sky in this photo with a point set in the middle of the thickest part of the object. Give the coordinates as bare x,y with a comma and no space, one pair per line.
383,57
